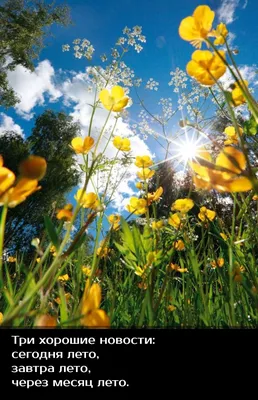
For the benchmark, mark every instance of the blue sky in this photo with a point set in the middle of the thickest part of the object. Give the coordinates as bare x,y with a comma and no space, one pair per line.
102,22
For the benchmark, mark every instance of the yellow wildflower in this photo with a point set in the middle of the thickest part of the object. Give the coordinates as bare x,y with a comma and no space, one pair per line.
143,162
114,100
145,173
175,221
65,213
67,298
237,94
1,318
154,196
103,252
137,206
114,221
34,167
90,308
86,270
142,285
220,33
82,146
87,200
206,214
171,308
139,185
156,225
231,133
11,259
206,67
46,320
224,236
19,193
140,271
177,268
7,178
218,263
179,245
38,259
122,144
182,205
63,278
196,28
224,175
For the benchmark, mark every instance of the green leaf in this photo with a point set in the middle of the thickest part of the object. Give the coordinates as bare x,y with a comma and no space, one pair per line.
251,126
51,230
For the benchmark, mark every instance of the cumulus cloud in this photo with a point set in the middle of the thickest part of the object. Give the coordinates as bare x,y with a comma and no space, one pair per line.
8,124
33,87
226,12
248,72
77,96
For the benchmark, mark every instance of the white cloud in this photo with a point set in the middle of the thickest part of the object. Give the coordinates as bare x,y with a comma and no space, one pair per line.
248,72
77,96
8,124
33,87
226,12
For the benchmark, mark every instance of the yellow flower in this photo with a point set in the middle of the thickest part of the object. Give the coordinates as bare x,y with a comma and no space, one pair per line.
151,257
183,205
140,271
17,194
67,298
114,100
81,146
1,318
156,225
87,200
7,178
231,133
224,236
122,144
217,263
237,94
38,259
86,270
179,245
142,285
137,206
255,197
196,28
92,315
63,278
64,214
220,33
237,272
145,173
206,214
103,252
143,162
225,174
52,249
206,67
154,196
139,185
11,259
177,268
171,308
34,167
46,320
175,221
114,221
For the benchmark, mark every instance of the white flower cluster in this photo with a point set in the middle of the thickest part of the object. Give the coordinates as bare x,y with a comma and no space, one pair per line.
152,85
178,80
133,37
81,47
167,112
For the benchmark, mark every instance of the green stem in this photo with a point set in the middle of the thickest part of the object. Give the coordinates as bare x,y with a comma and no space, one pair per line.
2,228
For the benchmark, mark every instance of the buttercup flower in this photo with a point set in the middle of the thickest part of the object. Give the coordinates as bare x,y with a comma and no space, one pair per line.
86,270
206,214
114,221
1,318
17,194
67,298
175,221
145,173
81,146
87,200
11,259
143,162
46,321
137,206
224,236
154,196
122,144
237,94
63,278
90,309
217,263
231,133
7,177
226,175
171,308
156,225
177,268
103,252
34,167
139,185
65,213
220,33
115,100
206,67
196,28
179,245
183,205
